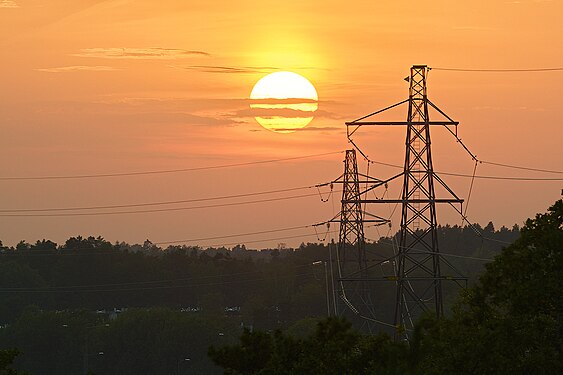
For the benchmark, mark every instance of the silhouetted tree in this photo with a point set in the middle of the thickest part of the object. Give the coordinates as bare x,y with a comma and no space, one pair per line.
510,322
7,357
334,348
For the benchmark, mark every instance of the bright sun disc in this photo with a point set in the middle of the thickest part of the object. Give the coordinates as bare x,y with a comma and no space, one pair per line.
284,102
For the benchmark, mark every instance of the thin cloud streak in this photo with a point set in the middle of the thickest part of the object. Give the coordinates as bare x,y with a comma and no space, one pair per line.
282,101
78,68
139,53
311,129
274,112
8,4
284,112
227,69
240,69
207,103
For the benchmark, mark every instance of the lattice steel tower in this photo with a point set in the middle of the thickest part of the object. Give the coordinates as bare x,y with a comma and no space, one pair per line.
350,253
418,264
351,243
353,288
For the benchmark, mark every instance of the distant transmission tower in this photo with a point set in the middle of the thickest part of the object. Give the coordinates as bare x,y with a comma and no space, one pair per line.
353,281
351,244
418,263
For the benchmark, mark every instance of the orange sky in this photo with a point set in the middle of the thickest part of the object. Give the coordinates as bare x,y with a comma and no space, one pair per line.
123,86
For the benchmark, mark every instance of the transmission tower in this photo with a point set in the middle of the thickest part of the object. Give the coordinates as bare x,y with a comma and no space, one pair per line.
419,267
355,294
351,243
350,252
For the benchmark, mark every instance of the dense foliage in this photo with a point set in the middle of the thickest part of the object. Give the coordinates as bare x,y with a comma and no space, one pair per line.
7,357
334,348
62,305
270,286
508,323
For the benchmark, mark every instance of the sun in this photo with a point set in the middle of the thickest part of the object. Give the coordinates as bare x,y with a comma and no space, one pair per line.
284,102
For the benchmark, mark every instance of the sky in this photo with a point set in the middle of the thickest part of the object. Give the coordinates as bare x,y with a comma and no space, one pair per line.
120,86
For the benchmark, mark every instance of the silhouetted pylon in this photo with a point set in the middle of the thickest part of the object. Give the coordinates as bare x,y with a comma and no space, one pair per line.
353,283
418,263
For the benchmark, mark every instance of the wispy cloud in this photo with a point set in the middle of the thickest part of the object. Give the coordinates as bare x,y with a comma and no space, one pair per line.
228,69
229,111
329,115
282,101
8,4
273,112
77,68
313,129
239,69
283,112
139,53
176,118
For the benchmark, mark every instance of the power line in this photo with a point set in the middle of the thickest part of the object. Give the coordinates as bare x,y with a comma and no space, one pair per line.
233,235
27,212
500,70
164,171
156,203
133,283
475,229
252,241
511,178
36,253
232,281
101,251
467,257
501,177
444,254
274,239
157,209
520,167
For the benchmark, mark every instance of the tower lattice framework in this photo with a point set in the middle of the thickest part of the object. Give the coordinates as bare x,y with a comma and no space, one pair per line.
418,265
419,282
351,244
350,252
354,292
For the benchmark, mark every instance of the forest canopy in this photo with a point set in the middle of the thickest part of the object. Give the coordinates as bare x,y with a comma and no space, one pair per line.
64,303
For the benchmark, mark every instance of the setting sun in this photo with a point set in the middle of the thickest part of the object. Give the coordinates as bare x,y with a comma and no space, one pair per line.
284,102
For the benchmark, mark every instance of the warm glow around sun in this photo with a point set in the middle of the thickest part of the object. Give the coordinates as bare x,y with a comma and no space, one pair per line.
290,99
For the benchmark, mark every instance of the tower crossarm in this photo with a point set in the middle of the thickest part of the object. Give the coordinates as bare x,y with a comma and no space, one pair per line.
436,200
403,123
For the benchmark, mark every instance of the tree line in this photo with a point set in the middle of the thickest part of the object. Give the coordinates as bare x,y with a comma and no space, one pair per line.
58,301
92,273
